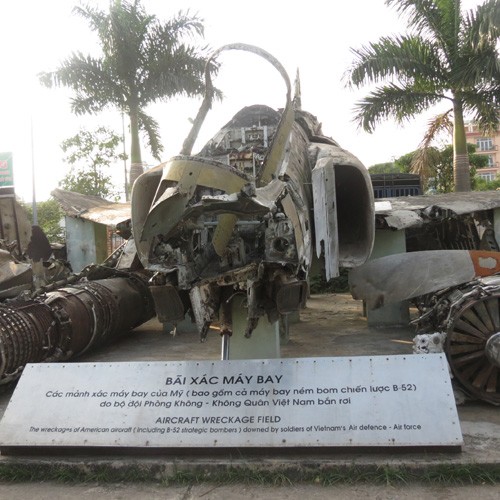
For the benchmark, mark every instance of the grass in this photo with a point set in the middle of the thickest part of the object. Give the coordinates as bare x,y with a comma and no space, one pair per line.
448,475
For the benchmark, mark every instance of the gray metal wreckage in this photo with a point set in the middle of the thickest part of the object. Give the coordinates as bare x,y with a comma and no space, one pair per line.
242,217
267,195
457,294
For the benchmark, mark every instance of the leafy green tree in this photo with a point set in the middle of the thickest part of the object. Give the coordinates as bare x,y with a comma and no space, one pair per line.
143,61
484,185
404,163
384,168
439,166
49,214
448,55
90,154
444,179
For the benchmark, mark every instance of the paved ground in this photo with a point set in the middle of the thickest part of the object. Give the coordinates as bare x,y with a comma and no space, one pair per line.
50,491
332,325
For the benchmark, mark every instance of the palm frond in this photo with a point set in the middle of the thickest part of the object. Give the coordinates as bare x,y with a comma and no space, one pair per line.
185,24
89,78
477,65
392,101
484,106
436,19
402,57
481,26
440,123
424,163
151,128
178,72
143,61
95,18
82,104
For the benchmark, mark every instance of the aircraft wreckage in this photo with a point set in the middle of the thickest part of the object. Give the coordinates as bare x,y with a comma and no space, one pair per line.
240,218
458,297
246,217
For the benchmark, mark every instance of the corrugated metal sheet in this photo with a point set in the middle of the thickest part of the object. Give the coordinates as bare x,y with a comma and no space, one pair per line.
413,211
109,215
92,208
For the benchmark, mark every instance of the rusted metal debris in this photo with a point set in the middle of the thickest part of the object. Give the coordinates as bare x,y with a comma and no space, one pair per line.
466,320
452,221
249,213
415,211
49,314
457,293
15,228
70,320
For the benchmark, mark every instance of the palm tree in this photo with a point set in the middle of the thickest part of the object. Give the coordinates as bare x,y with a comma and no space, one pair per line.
143,61
448,55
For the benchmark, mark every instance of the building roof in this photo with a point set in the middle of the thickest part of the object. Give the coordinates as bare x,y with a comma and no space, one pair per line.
414,211
93,208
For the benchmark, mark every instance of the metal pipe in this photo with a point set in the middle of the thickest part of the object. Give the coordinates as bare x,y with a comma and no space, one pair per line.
225,346
69,321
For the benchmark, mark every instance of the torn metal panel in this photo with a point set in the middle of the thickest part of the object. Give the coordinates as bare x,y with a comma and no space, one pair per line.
399,277
325,216
413,211
401,219
237,218
14,276
15,227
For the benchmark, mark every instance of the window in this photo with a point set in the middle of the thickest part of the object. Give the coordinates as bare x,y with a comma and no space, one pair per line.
490,163
485,144
487,176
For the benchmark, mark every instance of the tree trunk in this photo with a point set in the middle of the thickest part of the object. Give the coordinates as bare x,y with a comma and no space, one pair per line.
136,168
461,168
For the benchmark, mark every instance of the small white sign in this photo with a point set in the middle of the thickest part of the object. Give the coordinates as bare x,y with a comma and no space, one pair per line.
303,402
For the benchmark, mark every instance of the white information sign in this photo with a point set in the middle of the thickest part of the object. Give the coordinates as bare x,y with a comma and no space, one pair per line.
303,402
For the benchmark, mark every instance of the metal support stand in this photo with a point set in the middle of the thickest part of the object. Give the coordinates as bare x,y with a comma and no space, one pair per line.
264,342
387,243
224,355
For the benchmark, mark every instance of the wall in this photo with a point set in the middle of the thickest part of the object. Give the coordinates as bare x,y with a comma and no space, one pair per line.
86,242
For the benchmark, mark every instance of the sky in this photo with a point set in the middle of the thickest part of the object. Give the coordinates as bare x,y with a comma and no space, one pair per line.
314,37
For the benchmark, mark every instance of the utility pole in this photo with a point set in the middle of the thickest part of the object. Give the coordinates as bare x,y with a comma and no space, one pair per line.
35,211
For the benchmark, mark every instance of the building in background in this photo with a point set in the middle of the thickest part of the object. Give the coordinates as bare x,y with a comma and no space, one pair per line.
396,184
91,223
485,145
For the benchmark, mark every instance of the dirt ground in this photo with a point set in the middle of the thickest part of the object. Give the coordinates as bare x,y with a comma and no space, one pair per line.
330,325
51,491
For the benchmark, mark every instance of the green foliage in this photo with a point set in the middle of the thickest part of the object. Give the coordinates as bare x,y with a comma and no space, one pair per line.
318,284
484,185
404,162
89,155
385,168
439,165
443,167
447,55
49,215
251,474
142,61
